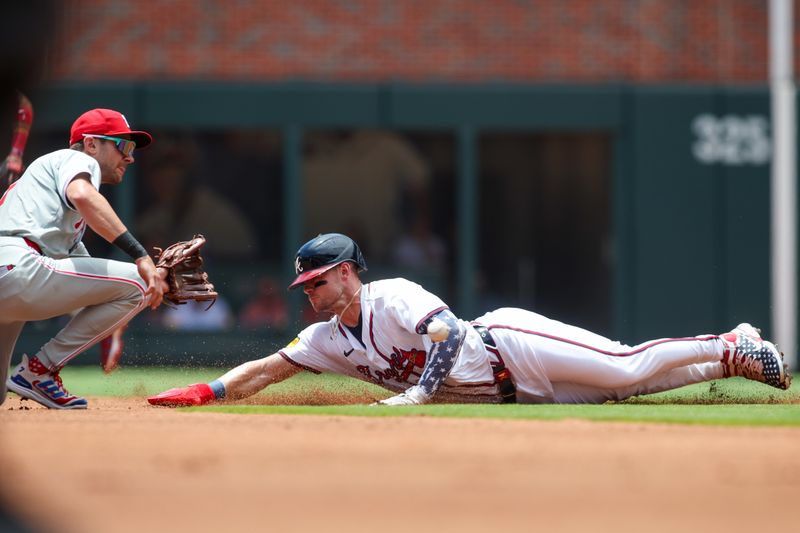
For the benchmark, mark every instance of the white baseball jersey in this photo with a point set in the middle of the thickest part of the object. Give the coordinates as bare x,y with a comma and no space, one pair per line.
549,361
391,353
36,205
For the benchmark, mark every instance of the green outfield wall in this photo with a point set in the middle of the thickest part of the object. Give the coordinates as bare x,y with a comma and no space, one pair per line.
689,189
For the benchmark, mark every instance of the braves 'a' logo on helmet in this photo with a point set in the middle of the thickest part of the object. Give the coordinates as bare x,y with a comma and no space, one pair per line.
323,252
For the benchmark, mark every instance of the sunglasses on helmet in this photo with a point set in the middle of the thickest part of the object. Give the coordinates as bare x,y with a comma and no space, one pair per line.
123,145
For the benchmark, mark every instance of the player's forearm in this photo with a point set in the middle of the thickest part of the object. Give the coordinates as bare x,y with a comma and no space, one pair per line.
22,126
241,382
448,335
253,376
11,167
96,211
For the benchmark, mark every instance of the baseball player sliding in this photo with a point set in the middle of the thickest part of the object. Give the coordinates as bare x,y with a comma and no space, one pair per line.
398,335
45,270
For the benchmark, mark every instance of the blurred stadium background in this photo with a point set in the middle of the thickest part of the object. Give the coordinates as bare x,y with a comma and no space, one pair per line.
603,163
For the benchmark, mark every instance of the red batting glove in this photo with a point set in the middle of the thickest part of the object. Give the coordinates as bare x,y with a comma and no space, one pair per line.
14,164
10,169
196,394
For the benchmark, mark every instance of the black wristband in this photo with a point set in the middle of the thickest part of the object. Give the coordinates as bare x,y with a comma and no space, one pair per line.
128,244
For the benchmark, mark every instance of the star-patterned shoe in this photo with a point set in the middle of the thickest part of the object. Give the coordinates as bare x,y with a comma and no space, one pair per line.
747,355
32,380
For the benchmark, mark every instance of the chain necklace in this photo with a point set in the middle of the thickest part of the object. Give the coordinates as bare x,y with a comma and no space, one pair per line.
338,316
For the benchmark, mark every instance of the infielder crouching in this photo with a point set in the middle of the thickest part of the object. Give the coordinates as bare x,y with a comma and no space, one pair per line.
396,334
46,271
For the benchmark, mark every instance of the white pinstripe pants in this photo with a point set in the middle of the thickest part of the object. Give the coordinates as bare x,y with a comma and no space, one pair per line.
553,362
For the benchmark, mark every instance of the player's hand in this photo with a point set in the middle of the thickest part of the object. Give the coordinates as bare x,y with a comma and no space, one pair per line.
156,286
10,169
197,394
412,396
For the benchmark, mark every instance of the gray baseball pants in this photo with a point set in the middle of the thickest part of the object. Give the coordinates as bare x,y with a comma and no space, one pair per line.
105,293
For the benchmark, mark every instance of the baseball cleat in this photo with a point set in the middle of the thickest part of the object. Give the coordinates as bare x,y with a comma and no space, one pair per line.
196,394
747,355
34,381
111,350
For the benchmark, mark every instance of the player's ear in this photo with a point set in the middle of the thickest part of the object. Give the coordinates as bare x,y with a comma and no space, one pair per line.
90,145
345,270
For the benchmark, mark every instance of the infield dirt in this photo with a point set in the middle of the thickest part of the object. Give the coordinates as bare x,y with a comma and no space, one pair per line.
123,466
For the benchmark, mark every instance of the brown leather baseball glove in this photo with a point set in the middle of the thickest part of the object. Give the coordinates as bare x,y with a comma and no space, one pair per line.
186,279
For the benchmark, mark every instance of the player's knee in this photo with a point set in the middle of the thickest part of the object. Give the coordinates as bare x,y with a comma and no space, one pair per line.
138,299
133,290
132,293
127,297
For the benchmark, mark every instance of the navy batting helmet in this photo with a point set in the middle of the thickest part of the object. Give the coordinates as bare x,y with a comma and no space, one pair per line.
324,252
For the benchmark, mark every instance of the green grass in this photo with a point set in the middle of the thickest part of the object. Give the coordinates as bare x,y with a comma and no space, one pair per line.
144,381
727,402
727,415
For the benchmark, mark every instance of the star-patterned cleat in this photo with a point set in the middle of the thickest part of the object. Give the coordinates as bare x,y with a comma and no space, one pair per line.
32,380
747,355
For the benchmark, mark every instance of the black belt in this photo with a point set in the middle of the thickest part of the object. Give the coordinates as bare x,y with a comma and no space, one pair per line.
501,374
